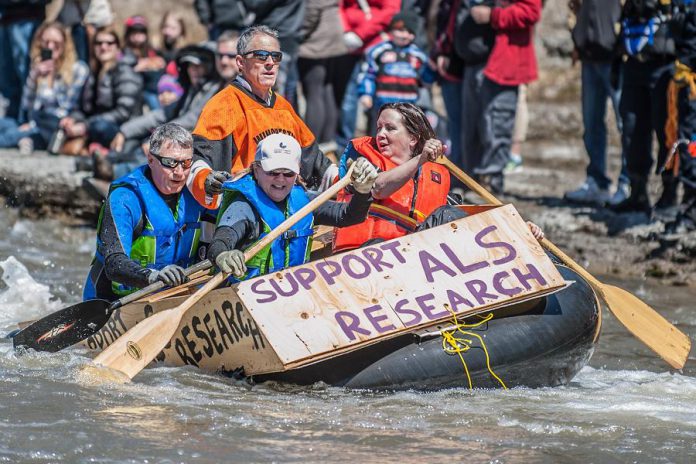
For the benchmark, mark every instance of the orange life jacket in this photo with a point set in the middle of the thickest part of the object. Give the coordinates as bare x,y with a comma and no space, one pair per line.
404,210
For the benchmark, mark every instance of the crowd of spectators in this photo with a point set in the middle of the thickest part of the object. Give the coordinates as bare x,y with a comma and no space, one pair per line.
76,86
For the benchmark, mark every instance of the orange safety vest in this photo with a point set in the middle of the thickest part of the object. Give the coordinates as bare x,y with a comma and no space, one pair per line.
403,211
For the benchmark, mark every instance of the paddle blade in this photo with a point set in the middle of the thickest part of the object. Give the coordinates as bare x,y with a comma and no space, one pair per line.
65,327
648,326
134,350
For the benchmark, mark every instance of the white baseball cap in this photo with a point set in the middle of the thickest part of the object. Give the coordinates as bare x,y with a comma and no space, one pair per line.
279,151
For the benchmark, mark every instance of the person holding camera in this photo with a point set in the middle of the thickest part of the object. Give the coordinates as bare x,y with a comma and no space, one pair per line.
51,91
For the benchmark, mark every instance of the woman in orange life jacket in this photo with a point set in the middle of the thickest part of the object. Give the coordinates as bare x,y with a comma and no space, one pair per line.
410,193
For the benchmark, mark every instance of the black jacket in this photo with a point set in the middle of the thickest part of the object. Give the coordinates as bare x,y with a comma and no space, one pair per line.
116,96
594,35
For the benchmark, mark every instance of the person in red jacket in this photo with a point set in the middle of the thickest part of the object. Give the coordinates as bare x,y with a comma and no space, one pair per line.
511,62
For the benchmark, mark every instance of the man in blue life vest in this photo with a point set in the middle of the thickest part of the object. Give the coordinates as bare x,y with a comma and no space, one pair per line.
149,226
258,202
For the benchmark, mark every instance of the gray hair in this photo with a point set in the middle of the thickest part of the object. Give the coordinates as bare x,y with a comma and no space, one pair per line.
227,36
172,133
248,35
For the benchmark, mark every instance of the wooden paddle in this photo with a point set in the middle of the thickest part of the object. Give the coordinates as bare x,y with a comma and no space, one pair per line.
134,350
641,320
75,323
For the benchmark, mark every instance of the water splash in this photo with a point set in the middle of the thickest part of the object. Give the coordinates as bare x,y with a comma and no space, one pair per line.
24,298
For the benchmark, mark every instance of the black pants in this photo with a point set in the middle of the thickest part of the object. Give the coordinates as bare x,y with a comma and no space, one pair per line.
321,114
643,111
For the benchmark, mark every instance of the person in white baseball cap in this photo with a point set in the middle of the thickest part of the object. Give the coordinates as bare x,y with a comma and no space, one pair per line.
258,202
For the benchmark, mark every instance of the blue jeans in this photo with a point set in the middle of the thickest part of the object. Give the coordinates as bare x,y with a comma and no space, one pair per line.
102,131
10,134
349,109
452,96
596,88
14,61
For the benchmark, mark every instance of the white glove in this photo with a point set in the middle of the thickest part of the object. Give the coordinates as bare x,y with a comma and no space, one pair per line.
231,262
364,176
172,275
352,41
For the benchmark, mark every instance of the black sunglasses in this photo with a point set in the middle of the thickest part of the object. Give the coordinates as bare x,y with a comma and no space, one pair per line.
228,55
262,55
104,42
172,163
280,173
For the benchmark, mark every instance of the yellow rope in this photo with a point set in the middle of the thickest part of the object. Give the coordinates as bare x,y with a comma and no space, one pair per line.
459,345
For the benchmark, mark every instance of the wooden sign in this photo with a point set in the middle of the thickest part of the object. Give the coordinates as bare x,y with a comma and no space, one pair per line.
340,303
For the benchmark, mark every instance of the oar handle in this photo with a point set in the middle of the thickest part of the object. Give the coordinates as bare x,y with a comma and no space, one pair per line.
145,291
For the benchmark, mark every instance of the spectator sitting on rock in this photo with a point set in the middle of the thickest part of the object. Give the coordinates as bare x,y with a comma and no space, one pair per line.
111,96
199,80
51,91
150,63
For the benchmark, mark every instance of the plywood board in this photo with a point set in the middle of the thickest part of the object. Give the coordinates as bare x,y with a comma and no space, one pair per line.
472,265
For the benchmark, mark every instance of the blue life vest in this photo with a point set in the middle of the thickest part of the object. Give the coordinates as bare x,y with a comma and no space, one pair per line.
290,249
166,238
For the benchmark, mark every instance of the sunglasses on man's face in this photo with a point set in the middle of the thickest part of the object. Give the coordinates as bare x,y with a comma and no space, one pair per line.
262,55
231,56
172,163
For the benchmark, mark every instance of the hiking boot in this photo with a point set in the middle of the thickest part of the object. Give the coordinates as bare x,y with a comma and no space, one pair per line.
637,202
495,183
678,228
668,199
26,146
623,191
589,193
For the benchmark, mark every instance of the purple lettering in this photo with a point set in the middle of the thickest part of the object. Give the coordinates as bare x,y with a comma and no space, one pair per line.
533,274
464,269
428,308
429,269
329,275
291,281
375,320
305,276
374,256
478,290
392,246
455,300
255,288
498,284
350,327
345,261
399,309
511,252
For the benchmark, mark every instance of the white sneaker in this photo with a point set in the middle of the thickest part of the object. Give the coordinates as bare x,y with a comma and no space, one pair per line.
26,146
588,192
623,191
514,164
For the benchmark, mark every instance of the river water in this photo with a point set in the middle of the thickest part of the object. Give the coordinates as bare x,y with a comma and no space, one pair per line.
626,406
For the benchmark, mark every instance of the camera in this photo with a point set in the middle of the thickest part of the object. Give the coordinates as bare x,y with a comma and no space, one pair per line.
46,54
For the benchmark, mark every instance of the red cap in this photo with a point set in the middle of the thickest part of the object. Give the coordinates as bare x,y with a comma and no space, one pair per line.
136,22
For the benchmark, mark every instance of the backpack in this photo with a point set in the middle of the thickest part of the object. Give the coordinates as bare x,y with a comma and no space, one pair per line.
472,42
